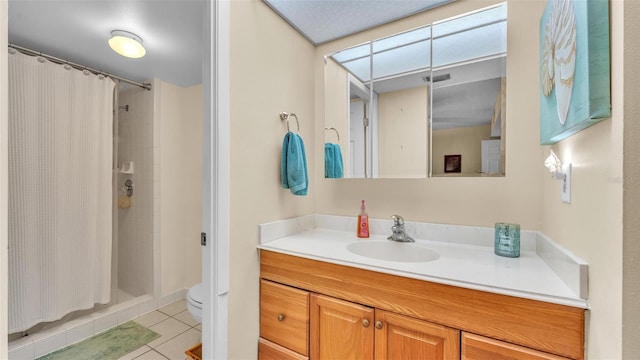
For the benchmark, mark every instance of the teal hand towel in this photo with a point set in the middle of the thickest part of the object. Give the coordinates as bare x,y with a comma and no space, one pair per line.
293,165
333,167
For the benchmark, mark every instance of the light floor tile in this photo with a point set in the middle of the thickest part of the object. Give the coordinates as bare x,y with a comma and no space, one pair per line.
186,318
151,318
199,327
167,329
151,355
175,348
134,354
174,308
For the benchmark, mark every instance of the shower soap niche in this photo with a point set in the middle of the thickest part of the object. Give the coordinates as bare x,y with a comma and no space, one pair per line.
126,167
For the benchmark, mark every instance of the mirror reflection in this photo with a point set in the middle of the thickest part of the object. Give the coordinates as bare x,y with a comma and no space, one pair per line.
383,95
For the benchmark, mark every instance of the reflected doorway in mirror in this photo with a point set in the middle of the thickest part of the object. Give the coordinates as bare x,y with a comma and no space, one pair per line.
453,163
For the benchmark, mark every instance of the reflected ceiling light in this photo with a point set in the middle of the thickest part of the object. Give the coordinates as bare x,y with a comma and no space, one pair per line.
127,44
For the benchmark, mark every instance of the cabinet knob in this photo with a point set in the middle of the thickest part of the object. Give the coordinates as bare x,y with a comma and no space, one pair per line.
281,317
365,323
378,325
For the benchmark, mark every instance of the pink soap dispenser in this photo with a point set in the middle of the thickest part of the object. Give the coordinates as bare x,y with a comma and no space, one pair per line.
363,222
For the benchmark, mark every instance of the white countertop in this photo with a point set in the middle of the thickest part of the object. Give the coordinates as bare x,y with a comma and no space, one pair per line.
462,265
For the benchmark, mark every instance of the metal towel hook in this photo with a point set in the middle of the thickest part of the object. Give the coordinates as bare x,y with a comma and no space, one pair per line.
285,116
334,129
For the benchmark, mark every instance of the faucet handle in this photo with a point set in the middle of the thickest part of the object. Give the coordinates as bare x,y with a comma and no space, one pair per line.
397,220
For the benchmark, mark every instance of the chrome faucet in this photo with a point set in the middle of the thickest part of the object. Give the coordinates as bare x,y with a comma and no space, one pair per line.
397,230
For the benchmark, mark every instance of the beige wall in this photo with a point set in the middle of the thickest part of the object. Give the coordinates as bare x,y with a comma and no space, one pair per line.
192,198
4,170
402,139
272,69
180,185
465,141
469,201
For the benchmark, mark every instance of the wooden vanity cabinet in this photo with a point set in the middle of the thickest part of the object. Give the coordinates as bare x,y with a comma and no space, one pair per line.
361,314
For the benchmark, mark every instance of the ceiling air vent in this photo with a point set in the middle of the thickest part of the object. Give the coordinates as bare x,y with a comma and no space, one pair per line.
437,78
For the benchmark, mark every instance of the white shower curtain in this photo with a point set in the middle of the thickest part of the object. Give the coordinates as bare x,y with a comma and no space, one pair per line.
60,184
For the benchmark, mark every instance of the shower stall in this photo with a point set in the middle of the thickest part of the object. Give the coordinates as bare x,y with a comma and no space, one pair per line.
133,266
57,193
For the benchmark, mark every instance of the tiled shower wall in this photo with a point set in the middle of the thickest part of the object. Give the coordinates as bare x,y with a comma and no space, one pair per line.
135,224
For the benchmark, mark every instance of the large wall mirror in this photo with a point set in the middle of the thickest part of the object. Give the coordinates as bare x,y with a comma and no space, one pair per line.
425,102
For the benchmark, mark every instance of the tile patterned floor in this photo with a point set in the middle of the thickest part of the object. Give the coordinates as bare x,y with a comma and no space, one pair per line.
178,332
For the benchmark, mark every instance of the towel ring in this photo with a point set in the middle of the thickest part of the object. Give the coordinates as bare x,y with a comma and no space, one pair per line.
285,116
334,129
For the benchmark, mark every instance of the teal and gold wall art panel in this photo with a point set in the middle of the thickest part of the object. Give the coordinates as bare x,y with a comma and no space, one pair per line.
575,90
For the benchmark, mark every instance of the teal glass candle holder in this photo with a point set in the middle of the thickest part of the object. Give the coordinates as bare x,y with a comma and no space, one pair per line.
507,240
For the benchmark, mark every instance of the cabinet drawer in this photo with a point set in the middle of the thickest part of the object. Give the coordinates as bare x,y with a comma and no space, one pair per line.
476,347
284,316
270,351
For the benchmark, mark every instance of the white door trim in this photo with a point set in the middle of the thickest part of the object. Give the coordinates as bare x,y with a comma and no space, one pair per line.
4,175
215,214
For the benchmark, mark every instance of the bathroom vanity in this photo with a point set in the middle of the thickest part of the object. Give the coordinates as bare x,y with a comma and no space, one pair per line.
314,305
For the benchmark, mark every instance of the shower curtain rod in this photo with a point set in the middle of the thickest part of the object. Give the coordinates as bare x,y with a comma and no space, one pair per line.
78,66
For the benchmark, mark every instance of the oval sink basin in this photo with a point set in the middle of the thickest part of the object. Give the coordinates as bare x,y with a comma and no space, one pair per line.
393,251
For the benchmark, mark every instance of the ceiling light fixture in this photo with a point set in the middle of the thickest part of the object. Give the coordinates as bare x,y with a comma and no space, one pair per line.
127,44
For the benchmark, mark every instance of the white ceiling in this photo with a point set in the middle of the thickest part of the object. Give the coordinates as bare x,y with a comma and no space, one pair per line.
172,33
321,21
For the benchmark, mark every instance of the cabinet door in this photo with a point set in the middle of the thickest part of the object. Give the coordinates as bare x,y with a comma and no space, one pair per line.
403,337
340,329
476,347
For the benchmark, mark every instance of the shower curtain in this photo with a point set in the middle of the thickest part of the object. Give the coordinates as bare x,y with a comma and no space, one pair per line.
60,185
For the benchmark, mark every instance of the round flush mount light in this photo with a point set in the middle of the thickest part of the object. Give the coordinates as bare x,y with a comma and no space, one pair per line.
127,44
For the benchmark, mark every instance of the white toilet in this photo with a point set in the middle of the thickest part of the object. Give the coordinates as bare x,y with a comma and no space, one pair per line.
194,302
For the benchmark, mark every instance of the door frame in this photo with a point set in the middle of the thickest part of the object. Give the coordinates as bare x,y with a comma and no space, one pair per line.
216,184
4,178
